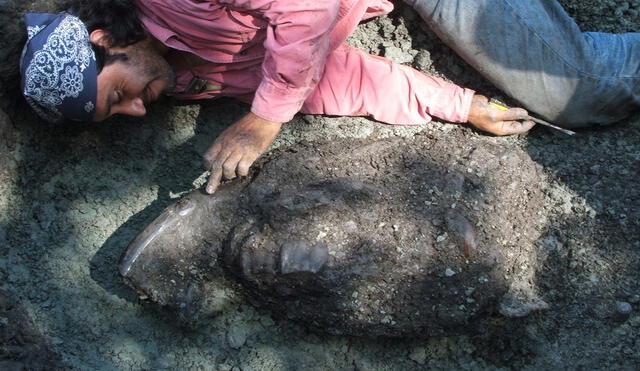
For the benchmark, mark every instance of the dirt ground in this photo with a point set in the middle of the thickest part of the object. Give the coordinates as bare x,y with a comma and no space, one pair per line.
72,198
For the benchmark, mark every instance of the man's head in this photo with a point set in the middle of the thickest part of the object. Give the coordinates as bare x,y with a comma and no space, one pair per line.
131,77
107,64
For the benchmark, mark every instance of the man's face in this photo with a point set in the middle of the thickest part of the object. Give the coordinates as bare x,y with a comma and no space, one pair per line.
125,87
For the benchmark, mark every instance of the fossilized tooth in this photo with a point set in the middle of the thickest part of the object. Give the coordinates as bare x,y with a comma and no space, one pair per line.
174,260
394,237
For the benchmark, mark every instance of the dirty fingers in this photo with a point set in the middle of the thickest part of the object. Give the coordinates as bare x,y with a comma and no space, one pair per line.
237,147
486,117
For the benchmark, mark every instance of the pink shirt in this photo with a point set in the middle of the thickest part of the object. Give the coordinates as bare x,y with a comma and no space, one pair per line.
285,56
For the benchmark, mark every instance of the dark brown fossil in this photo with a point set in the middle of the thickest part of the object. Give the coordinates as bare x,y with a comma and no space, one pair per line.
395,237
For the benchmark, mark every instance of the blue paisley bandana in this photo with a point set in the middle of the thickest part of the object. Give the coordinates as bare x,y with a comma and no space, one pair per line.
58,68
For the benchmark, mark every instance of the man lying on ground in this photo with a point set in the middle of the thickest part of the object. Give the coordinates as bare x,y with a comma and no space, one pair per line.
282,57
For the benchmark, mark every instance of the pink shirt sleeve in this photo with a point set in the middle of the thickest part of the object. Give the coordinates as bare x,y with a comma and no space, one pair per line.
359,84
297,44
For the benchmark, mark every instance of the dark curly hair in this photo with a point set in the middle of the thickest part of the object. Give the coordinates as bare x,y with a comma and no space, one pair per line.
118,17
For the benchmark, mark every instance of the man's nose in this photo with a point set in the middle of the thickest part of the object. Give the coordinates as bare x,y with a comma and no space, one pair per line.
132,107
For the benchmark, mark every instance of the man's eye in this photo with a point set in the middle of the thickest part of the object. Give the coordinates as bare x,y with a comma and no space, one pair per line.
118,96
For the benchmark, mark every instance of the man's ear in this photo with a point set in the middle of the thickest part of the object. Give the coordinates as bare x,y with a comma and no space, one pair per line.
100,37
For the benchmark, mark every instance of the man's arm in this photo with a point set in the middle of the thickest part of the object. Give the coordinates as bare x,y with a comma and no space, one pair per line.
296,46
356,83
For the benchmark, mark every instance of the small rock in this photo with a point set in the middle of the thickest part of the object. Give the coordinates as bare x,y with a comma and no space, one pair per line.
45,304
422,61
623,311
418,355
266,321
164,364
552,243
449,272
398,55
362,364
236,337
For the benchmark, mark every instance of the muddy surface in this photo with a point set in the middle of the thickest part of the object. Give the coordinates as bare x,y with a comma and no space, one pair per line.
73,198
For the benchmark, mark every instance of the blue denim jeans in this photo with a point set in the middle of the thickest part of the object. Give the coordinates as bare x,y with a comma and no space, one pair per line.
535,53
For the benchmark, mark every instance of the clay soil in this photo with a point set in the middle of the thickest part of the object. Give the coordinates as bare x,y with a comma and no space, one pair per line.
73,197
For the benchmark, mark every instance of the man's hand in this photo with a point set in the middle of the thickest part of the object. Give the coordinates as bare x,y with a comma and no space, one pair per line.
237,147
493,120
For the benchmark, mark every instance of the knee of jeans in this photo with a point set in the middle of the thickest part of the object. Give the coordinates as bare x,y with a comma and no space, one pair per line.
585,113
591,102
